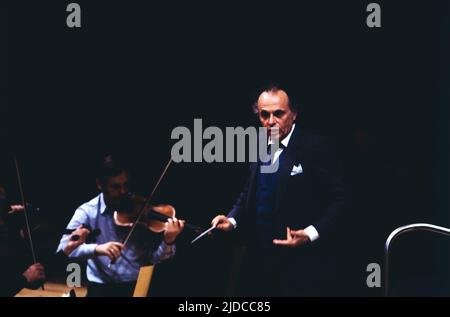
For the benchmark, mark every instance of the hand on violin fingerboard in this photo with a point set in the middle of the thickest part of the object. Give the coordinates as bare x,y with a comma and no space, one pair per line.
16,209
81,234
173,227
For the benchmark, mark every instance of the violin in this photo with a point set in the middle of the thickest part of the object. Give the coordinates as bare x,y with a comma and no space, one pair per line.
153,217
136,210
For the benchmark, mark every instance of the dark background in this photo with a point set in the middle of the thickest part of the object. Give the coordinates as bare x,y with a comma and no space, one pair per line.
134,71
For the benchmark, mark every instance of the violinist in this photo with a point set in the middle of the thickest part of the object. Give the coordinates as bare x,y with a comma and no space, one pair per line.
112,268
12,280
13,276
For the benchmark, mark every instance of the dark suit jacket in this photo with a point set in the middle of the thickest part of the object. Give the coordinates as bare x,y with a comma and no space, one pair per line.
317,197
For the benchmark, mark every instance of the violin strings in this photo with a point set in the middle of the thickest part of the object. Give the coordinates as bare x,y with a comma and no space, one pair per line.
146,202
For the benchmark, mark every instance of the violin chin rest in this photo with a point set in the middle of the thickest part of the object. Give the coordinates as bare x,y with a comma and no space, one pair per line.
119,222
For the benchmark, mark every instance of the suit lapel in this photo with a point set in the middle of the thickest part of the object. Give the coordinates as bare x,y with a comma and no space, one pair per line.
285,168
287,160
254,168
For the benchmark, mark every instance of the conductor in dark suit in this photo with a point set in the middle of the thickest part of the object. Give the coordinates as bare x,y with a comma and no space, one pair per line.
289,218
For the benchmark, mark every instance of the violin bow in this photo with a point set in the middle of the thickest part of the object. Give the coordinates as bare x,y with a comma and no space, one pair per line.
146,202
25,212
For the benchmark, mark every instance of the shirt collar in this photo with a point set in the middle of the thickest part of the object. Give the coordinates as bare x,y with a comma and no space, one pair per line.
102,206
285,141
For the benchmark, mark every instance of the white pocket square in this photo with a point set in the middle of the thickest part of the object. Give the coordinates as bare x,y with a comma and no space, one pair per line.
297,170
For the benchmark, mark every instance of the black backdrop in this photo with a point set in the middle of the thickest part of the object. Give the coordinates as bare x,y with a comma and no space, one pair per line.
136,70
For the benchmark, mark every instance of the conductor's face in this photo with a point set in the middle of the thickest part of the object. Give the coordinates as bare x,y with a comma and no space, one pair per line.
274,112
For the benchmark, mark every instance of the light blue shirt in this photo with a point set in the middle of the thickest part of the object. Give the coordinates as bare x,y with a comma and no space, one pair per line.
143,248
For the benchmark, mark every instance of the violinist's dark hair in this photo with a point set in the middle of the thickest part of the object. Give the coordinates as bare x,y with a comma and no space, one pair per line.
111,165
273,87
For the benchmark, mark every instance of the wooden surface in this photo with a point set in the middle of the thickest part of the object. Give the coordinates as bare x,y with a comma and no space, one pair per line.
143,281
52,289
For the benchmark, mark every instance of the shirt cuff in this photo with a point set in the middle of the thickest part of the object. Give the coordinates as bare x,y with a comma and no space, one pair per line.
167,248
233,222
312,233
84,251
164,252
